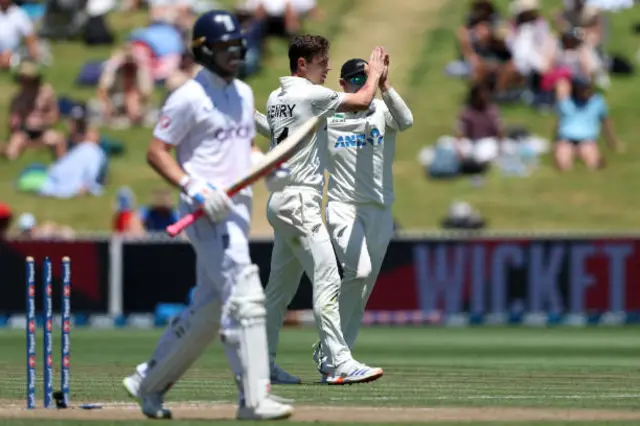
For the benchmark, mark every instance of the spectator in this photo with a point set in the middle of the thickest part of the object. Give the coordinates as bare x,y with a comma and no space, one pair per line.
280,18
124,89
252,28
159,48
15,27
581,115
79,128
530,39
578,14
474,37
571,57
126,220
33,113
479,132
26,226
5,220
188,69
175,12
82,170
160,213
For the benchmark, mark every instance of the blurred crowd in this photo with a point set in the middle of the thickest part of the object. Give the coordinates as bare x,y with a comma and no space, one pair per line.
557,63
129,85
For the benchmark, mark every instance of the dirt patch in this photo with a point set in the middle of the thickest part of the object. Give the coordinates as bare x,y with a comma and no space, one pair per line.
221,411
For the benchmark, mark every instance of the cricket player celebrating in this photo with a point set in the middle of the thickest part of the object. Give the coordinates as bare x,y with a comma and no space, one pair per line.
209,122
302,243
360,194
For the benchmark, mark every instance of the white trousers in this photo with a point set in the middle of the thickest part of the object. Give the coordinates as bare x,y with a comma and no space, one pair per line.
222,254
302,244
360,235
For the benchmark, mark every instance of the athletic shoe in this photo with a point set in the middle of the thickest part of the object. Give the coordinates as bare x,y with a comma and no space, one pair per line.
281,377
152,405
269,409
352,372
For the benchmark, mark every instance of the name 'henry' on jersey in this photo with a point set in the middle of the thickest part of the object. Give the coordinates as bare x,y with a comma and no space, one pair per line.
361,152
295,102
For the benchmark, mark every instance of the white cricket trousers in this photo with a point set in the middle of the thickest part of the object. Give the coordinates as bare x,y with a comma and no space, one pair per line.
302,244
222,254
360,236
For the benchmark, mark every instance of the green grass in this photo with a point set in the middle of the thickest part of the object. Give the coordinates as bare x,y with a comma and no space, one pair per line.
545,201
592,368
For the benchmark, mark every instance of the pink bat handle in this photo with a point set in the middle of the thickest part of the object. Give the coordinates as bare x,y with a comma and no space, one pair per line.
186,221
182,223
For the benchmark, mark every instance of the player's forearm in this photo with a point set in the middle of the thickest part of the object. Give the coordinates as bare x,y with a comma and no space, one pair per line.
397,107
368,91
166,166
361,100
262,125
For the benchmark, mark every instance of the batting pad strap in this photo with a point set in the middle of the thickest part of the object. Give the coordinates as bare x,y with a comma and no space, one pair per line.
398,108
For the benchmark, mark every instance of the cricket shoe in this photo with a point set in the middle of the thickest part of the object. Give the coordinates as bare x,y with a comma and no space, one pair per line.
269,409
352,372
321,362
281,377
152,405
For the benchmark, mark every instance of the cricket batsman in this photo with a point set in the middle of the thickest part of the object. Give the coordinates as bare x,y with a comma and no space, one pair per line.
301,242
209,123
360,194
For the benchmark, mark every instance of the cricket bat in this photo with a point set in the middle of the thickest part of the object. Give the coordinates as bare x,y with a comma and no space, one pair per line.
271,161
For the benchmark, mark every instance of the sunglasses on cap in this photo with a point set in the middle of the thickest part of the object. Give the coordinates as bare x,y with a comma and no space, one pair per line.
357,80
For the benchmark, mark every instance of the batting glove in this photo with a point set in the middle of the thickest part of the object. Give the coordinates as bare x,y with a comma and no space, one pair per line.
214,201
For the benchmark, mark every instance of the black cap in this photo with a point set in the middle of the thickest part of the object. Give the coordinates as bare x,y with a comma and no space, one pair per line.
353,67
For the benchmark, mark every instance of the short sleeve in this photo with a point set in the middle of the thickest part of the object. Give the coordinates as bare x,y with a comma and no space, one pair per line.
23,23
176,117
565,106
324,101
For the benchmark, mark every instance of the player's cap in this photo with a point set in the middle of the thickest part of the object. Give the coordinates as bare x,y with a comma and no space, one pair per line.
353,67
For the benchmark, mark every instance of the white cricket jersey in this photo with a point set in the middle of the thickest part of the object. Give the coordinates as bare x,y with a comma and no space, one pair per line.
293,104
361,151
211,124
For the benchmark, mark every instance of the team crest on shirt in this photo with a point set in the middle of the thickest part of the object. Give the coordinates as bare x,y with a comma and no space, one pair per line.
337,118
164,122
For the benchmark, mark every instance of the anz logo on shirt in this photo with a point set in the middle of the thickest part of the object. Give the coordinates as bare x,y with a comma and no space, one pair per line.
240,132
360,140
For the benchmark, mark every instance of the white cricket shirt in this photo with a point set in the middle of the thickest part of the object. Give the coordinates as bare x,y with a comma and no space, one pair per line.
293,104
361,151
210,123
15,25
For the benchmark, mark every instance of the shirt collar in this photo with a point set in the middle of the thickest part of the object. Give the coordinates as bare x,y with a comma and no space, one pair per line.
214,80
289,81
